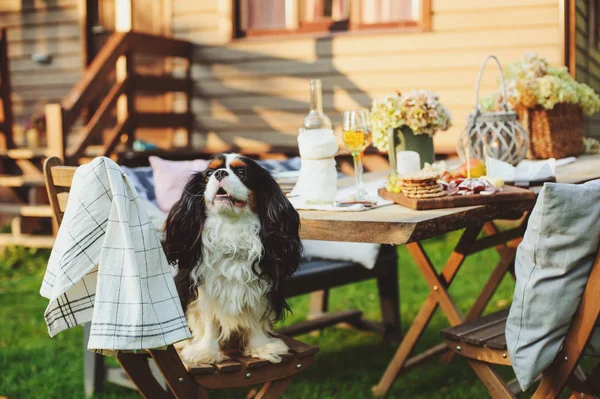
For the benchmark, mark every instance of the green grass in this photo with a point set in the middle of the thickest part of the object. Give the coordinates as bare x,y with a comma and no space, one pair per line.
32,365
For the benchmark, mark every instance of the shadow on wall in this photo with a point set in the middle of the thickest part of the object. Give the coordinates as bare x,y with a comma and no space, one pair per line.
243,98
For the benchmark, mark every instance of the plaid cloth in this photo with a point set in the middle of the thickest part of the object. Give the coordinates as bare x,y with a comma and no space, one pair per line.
108,267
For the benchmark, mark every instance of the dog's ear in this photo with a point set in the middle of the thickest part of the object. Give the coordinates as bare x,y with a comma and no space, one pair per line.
183,234
280,226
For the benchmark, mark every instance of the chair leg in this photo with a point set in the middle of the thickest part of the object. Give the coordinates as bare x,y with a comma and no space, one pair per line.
319,303
582,395
181,383
138,370
593,380
94,372
273,389
389,302
492,381
578,385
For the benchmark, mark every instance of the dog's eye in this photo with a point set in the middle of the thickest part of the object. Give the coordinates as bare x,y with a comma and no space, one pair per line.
241,172
209,173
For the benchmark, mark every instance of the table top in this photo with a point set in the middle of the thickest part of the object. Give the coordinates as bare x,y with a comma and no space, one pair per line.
395,224
587,167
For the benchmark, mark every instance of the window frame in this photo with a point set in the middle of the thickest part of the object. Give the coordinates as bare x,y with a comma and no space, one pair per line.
593,21
329,27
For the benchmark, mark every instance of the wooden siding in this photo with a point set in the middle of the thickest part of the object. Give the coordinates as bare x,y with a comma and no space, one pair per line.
44,27
587,58
256,90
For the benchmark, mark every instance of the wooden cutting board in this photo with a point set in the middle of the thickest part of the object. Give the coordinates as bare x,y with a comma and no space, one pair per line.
508,194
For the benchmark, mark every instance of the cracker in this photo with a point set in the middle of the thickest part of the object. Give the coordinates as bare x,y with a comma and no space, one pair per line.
419,185
422,186
423,196
423,191
420,176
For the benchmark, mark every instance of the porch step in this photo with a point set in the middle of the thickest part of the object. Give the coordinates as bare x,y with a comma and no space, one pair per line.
21,181
41,211
27,240
24,153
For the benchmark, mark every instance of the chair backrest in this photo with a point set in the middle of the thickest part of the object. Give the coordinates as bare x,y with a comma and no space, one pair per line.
59,179
582,327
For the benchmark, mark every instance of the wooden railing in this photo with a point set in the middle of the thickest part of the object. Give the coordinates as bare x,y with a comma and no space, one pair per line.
6,115
117,59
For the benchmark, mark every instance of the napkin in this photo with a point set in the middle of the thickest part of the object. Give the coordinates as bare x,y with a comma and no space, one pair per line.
526,170
317,180
345,195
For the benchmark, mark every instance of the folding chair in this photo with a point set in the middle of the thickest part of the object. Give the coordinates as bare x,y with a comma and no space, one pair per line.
189,381
483,344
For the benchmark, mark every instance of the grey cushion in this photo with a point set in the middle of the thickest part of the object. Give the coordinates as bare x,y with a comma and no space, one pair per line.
552,266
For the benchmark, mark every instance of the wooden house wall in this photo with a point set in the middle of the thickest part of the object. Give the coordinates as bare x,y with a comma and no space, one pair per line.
41,26
256,90
587,58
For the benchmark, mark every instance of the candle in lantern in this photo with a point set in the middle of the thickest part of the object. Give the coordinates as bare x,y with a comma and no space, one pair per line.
408,162
485,155
468,154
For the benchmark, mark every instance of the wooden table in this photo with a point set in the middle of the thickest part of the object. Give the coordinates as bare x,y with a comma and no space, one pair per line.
398,225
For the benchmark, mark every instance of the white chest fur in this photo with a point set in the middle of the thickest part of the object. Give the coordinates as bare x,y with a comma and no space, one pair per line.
231,247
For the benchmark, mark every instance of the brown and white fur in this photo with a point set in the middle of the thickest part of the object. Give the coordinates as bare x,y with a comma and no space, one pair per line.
234,238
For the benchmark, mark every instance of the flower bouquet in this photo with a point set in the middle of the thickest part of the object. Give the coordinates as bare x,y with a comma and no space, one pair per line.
550,103
408,122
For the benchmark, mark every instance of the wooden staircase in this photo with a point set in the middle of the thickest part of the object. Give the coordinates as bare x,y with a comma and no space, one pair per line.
20,174
113,78
98,117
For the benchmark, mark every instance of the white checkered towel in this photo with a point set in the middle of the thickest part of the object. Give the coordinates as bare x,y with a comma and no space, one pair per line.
108,266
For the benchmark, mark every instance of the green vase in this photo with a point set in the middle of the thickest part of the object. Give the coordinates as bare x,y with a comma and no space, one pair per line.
403,139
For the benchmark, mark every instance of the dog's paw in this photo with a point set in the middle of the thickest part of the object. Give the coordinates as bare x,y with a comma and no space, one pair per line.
194,354
179,346
271,351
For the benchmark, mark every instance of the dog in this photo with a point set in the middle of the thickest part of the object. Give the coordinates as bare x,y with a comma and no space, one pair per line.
234,238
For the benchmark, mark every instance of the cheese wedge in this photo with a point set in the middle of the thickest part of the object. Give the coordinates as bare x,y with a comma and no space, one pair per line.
494,181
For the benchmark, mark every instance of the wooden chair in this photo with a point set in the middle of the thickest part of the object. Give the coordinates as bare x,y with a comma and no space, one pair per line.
186,381
318,276
483,344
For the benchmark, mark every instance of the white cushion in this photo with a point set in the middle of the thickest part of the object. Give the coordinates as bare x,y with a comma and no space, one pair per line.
357,252
552,267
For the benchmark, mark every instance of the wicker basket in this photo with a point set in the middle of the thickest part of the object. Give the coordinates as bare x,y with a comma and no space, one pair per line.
555,133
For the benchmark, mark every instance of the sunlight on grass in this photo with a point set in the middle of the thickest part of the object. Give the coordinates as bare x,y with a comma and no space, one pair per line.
35,366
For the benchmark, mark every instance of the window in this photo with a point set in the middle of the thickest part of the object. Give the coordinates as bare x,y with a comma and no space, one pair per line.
268,17
389,12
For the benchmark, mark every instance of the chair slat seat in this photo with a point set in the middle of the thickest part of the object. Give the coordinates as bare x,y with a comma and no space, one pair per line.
487,331
251,362
228,366
240,371
318,274
497,343
243,365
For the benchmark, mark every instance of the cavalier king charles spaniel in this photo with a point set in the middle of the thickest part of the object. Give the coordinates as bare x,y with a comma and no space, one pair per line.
233,236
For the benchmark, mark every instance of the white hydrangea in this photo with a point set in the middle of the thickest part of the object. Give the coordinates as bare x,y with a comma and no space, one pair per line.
420,110
531,81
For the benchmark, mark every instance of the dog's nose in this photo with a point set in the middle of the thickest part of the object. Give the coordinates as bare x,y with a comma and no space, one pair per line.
221,174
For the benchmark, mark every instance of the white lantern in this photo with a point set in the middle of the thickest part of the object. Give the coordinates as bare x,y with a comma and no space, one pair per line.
498,133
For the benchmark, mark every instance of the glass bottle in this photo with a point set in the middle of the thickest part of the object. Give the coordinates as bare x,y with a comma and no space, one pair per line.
316,119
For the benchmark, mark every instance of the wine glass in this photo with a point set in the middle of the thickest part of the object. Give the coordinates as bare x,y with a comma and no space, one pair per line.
357,138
